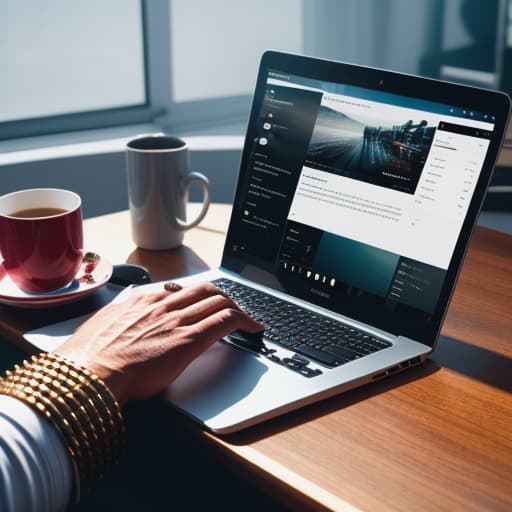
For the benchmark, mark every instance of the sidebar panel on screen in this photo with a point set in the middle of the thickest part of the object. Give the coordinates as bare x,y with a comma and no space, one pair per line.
284,126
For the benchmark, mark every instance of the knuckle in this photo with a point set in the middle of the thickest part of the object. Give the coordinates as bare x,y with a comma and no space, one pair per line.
210,288
193,332
136,298
204,288
228,315
144,299
223,301
177,318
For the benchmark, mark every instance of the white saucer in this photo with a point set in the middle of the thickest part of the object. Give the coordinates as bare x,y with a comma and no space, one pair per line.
80,287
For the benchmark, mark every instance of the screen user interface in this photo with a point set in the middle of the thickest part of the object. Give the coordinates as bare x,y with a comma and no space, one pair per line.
356,193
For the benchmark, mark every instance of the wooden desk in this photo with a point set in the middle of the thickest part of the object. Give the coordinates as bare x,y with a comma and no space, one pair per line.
505,158
438,437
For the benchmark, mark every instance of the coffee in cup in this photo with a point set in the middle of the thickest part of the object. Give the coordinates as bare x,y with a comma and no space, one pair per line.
41,240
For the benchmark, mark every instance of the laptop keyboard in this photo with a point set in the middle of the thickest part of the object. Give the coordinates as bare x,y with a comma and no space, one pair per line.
305,332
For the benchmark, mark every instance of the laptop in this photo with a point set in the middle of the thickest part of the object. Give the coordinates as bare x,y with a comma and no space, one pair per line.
356,198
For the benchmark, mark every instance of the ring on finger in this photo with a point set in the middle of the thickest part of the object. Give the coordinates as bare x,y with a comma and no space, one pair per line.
172,287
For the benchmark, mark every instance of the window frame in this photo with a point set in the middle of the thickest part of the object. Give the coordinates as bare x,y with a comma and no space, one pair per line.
187,115
93,119
159,108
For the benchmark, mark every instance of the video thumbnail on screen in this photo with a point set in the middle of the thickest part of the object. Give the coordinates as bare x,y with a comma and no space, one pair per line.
387,154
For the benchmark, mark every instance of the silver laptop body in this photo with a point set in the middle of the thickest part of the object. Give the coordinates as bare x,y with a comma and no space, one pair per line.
350,204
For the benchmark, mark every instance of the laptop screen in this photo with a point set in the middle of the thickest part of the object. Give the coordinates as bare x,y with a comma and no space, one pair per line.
354,198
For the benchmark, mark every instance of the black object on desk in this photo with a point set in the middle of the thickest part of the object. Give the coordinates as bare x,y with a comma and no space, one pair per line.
126,274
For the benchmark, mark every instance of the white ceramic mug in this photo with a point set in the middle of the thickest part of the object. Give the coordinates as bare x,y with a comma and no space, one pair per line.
158,182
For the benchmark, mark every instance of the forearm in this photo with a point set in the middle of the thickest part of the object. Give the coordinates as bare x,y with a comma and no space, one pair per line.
36,471
68,407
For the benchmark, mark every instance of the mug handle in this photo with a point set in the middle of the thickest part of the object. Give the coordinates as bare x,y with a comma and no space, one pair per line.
195,177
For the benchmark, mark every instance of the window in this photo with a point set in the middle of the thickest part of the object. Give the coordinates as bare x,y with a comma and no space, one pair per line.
75,65
64,57
215,52
70,65
216,46
61,58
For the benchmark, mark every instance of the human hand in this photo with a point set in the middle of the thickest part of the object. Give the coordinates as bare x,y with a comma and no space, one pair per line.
139,346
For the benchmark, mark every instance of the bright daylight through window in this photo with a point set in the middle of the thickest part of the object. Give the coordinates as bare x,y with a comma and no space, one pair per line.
60,57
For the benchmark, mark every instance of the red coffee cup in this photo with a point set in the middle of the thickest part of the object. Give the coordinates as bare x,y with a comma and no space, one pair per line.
41,239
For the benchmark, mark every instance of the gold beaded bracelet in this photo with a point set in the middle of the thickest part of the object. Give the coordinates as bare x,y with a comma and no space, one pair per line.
79,404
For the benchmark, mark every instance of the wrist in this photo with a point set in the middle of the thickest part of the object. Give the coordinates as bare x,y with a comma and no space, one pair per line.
111,378
77,403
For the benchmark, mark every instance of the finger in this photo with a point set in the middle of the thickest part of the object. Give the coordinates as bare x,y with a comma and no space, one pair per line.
214,327
188,296
203,308
142,296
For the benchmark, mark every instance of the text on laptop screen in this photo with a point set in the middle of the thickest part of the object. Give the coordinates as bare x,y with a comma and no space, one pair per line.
356,192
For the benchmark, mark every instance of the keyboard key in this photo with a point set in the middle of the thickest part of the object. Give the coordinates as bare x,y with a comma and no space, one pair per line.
346,354
319,355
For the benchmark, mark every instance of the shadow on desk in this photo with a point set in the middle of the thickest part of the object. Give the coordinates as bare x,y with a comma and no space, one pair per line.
474,362
181,261
164,468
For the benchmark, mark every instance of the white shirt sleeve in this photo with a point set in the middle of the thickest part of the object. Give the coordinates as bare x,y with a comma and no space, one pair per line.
36,471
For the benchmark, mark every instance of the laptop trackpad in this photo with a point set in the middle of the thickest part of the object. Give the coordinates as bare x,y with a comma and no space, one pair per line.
218,379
